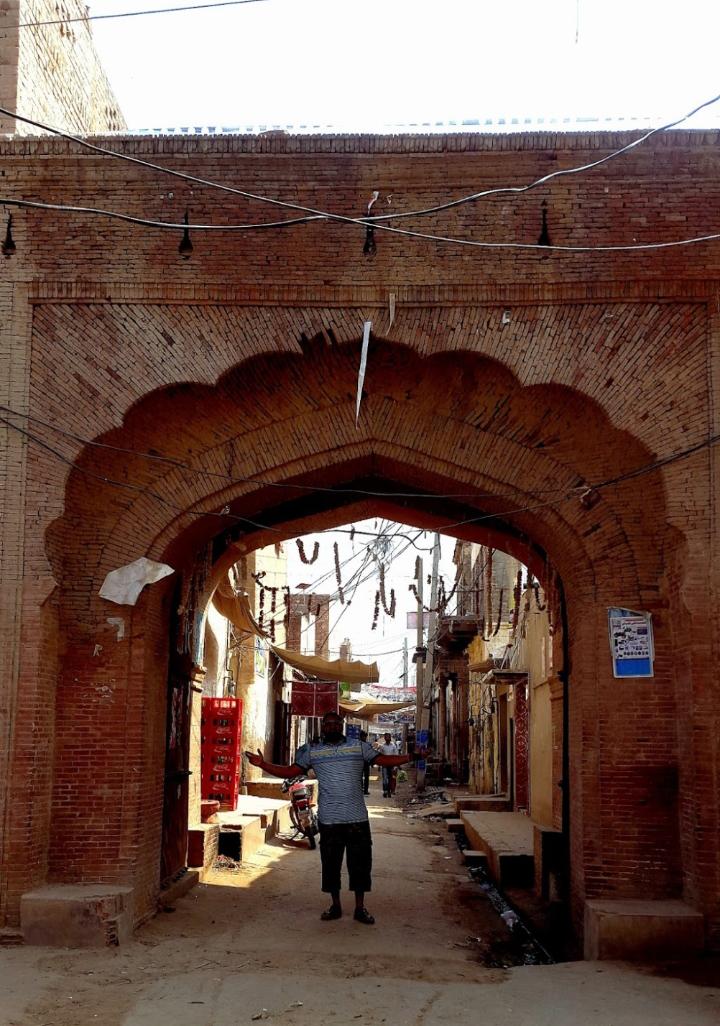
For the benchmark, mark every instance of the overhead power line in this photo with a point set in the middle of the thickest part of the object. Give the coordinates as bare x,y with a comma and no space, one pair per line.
637,472
171,461
380,224
138,14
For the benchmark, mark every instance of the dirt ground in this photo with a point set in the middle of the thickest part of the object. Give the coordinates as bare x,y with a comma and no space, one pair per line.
249,946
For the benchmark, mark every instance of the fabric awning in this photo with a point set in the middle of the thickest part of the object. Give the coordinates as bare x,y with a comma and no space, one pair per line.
236,609
329,669
366,710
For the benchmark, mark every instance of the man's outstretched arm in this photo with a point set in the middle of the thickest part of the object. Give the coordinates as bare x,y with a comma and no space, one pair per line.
293,770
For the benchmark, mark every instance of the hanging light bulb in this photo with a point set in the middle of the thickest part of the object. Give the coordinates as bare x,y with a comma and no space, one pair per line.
8,245
544,239
186,247
370,247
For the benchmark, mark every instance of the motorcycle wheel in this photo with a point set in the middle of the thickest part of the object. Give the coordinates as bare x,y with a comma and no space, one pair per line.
312,843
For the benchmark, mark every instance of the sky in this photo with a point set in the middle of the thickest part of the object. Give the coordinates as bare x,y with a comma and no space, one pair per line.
354,619
361,66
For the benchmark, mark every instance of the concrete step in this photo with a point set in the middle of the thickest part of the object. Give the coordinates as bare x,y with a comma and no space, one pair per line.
507,840
483,803
477,859
641,931
454,825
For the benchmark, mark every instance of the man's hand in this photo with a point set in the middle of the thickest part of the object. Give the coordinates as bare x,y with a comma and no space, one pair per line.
255,760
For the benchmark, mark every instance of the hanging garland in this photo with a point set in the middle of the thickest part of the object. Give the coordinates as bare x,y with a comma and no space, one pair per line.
517,595
338,579
500,607
303,556
391,610
261,606
376,614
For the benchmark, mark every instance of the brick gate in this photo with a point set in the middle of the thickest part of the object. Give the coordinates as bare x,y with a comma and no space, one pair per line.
504,382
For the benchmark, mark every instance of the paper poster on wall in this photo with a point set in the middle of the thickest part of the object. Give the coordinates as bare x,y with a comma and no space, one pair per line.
631,642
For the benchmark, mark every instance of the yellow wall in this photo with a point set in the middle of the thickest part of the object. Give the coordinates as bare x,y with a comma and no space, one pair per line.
532,651
250,659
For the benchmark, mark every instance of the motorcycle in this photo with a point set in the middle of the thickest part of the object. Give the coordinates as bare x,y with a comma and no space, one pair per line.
302,813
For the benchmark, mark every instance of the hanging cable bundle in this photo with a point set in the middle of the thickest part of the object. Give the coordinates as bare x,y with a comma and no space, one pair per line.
338,579
301,550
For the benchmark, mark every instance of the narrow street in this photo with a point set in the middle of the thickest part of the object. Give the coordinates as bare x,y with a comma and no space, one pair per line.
248,945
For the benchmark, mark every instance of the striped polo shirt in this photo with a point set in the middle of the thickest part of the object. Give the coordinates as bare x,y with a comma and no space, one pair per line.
338,768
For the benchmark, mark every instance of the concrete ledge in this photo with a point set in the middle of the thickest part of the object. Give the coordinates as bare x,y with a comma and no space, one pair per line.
77,915
454,826
507,840
548,852
203,845
178,888
483,803
638,931
240,835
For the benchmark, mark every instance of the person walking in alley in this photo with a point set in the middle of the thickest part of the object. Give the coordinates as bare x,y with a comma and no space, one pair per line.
344,826
366,767
388,747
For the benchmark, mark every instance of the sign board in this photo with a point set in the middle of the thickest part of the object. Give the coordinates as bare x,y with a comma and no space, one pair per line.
313,699
631,642
352,731
412,621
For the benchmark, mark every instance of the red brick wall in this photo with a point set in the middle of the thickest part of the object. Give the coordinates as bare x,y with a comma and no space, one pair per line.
243,361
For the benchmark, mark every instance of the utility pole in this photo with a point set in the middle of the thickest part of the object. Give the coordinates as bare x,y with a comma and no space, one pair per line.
418,657
405,663
425,680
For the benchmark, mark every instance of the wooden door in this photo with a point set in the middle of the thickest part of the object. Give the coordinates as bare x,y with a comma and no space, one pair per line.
177,771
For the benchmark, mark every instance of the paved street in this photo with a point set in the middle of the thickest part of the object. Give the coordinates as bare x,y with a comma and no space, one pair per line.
250,944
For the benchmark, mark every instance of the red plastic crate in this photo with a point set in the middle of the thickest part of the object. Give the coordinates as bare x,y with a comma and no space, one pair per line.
220,755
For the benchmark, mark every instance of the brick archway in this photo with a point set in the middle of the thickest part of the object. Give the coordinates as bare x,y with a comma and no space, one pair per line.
454,425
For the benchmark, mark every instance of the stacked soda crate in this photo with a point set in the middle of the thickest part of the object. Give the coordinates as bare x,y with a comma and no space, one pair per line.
221,757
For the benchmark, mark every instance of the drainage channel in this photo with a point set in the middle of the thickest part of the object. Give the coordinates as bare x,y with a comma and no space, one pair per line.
529,949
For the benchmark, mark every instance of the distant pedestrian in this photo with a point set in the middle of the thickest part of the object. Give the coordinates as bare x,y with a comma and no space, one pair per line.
366,767
344,826
388,747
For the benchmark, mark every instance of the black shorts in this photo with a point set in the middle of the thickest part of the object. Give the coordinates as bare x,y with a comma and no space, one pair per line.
335,840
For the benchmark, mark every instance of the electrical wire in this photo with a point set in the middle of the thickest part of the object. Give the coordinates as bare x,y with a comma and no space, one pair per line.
128,486
138,14
543,247
544,179
235,479
598,486
364,221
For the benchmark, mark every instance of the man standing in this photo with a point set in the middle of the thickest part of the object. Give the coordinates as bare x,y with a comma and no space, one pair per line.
366,767
388,747
344,827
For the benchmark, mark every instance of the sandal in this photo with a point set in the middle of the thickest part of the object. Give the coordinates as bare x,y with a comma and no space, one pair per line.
334,912
363,916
